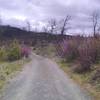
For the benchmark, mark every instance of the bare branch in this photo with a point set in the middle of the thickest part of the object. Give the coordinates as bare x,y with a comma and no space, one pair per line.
65,23
0,19
95,21
52,25
28,25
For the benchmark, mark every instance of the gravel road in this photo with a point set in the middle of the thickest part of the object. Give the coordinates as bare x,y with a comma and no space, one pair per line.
42,79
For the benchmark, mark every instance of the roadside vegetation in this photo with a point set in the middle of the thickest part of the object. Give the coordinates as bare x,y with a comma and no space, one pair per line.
12,57
79,56
10,52
81,60
9,69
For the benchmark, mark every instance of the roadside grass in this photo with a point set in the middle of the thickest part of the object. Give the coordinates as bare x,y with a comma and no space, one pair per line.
9,69
82,79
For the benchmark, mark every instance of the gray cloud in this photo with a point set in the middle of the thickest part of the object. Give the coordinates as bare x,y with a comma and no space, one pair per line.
17,11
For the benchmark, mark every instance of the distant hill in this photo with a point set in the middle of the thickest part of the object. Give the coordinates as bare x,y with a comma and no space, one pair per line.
8,33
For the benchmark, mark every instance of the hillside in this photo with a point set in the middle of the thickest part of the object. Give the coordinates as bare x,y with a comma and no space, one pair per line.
8,33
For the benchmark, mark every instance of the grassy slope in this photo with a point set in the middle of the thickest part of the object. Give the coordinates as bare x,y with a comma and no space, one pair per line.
8,70
82,80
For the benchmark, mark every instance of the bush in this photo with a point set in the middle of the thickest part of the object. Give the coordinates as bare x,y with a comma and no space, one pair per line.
70,50
14,53
89,52
25,51
96,77
86,55
86,51
2,53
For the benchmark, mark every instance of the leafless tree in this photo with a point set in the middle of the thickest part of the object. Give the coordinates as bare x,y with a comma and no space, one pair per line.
65,23
52,25
28,26
45,29
0,19
98,30
95,21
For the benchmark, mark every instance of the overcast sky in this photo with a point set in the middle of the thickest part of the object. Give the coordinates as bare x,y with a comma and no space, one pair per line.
16,12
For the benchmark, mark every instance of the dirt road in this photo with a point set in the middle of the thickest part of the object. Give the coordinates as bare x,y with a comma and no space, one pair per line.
42,79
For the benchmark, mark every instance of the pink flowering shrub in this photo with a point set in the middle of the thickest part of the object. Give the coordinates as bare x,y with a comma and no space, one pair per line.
25,51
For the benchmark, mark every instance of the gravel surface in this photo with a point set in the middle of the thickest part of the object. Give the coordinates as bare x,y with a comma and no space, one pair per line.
42,79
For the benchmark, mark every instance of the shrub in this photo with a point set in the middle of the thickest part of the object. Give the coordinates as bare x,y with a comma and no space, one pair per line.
86,56
89,54
2,53
96,77
70,49
86,51
25,51
14,53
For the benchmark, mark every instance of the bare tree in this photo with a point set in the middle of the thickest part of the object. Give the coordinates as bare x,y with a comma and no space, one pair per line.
52,25
98,30
28,26
45,29
0,19
65,23
95,21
